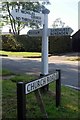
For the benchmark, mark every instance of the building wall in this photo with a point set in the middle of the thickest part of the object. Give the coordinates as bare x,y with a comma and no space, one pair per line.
76,42
78,15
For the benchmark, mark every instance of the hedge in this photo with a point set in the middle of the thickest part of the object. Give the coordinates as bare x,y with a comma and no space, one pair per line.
60,44
33,44
10,43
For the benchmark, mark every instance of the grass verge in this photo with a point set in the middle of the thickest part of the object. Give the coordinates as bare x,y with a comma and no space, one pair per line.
74,59
69,101
5,72
20,54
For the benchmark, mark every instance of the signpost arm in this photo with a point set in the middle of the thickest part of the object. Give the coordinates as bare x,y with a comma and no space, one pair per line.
21,101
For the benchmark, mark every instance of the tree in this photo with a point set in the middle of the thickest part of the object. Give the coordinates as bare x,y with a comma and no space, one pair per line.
8,18
58,23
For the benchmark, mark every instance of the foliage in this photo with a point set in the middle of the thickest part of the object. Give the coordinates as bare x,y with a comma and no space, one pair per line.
20,43
33,44
9,43
61,44
58,23
8,18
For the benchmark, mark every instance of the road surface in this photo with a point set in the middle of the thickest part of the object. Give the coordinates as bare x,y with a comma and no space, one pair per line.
69,69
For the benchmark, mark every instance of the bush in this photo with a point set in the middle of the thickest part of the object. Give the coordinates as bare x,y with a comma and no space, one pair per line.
60,44
33,44
9,43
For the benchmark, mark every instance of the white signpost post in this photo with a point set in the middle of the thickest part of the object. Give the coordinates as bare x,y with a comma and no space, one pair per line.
45,43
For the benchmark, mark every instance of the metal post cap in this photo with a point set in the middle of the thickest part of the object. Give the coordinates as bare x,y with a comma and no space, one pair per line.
45,11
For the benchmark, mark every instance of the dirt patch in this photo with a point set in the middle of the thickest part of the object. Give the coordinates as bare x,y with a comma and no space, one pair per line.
7,77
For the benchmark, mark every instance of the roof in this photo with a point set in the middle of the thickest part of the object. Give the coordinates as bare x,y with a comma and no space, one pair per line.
77,34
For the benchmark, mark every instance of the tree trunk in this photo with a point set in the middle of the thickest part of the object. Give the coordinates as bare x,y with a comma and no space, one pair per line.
10,18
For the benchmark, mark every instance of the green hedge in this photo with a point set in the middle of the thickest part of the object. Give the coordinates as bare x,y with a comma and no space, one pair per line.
33,44
20,43
60,44
10,43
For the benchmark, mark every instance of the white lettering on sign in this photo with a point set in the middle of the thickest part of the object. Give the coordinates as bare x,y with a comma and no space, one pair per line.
32,86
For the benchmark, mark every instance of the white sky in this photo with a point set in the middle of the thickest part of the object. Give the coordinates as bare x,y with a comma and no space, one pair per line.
67,10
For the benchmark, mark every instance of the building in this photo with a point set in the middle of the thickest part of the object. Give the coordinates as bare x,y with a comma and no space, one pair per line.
76,36
78,15
76,41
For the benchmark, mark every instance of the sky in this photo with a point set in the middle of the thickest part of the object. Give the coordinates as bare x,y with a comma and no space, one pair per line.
67,10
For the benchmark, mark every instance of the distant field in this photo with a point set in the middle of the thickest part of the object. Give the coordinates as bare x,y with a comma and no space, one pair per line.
20,54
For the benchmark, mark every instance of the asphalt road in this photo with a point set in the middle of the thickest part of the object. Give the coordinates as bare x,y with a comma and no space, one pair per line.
69,69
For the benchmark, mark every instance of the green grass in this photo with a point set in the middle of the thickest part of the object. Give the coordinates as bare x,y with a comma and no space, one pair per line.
0,71
21,54
5,72
68,108
74,59
23,78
